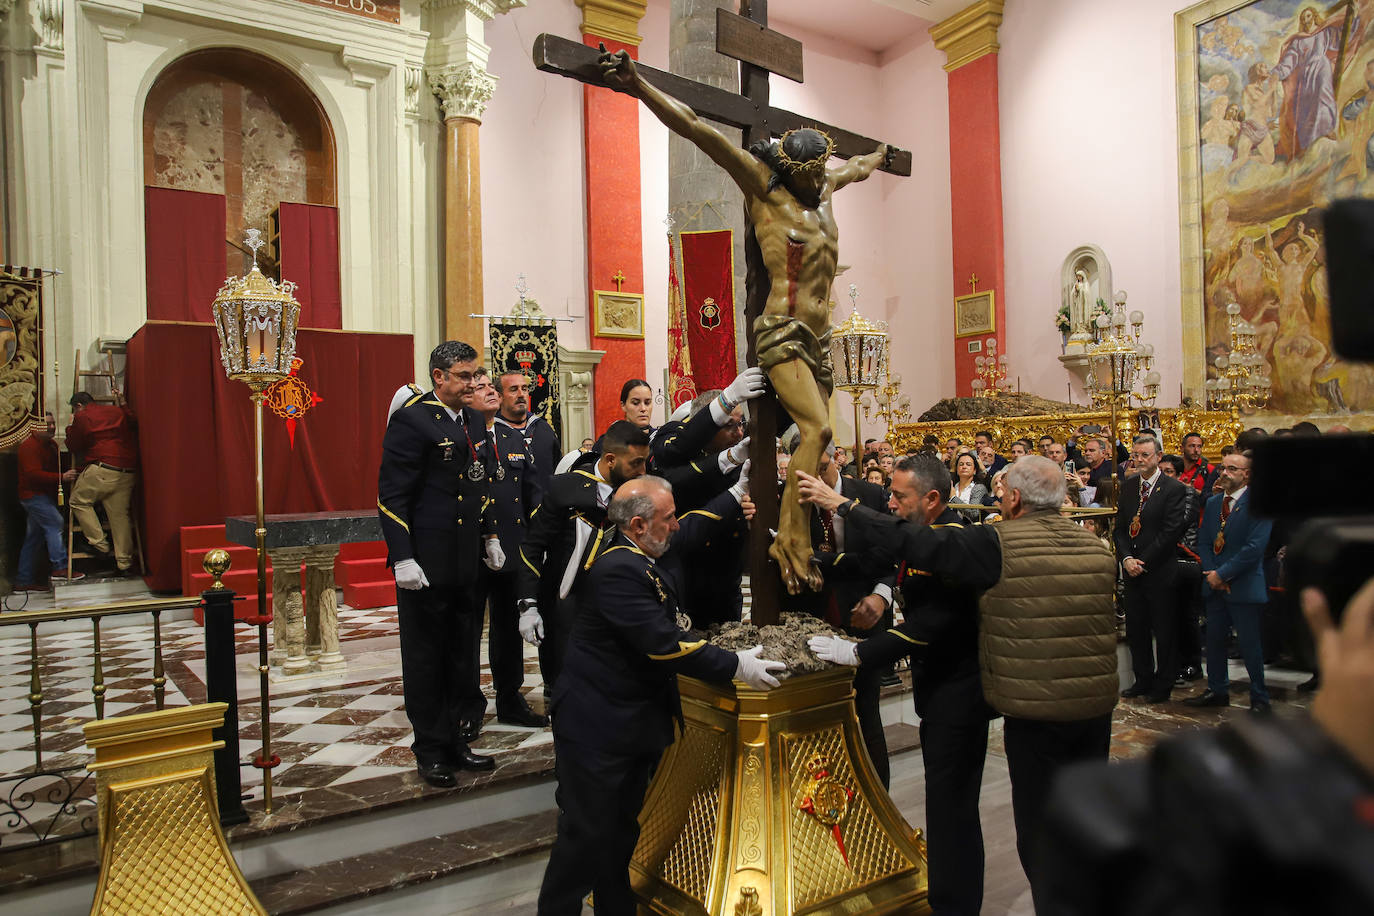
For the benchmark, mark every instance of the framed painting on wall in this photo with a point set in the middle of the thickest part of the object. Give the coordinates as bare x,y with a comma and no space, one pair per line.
975,314
619,315
1275,119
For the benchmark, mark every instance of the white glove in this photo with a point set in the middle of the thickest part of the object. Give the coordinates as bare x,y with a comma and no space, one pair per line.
748,385
733,456
740,488
531,626
754,670
496,557
410,576
835,649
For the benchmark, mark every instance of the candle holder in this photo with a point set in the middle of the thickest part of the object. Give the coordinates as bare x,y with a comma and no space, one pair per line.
991,380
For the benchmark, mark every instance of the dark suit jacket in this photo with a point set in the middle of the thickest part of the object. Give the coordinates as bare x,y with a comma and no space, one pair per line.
515,496
430,511
850,574
678,454
618,687
1241,561
1161,525
552,537
541,442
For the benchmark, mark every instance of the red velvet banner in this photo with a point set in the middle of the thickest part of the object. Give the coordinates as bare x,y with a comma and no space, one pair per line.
196,432
184,239
708,283
309,247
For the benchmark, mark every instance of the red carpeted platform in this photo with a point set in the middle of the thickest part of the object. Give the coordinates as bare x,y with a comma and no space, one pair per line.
196,434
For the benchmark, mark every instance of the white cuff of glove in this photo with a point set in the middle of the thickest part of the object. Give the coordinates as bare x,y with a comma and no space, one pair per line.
884,591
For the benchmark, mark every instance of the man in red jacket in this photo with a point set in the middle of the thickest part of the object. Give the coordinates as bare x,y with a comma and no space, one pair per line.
39,472
104,436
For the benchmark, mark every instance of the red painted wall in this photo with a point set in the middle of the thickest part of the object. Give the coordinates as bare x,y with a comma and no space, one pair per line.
611,131
975,179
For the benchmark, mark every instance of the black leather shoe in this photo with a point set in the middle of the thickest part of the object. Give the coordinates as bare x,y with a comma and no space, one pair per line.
1135,690
1188,675
1158,697
469,729
526,718
467,760
439,775
1261,708
1209,698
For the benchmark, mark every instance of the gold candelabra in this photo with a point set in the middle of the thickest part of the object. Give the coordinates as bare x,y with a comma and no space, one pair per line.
256,321
858,351
1242,383
891,407
1118,358
991,368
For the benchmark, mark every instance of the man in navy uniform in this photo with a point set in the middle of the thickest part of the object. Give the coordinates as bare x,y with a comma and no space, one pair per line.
541,442
565,533
701,456
616,700
514,492
430,494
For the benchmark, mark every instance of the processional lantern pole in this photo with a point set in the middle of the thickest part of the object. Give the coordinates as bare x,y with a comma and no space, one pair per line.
256,320
858,351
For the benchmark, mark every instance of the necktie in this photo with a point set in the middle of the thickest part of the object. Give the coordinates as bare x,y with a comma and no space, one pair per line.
1144,495
1226,508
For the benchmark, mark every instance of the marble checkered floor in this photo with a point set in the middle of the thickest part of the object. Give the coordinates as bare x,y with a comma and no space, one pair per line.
327,731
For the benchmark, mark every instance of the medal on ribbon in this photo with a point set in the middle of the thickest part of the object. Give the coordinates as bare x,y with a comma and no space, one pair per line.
1135,526
447,446
1219,543
476,473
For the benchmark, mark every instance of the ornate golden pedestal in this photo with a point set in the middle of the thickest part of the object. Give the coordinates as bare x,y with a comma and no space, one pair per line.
768,805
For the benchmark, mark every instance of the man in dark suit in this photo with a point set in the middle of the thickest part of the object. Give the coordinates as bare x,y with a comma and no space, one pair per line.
1231,545
616,701
940,633
541,442
983,440
430,493
565,534
513,493
857,595
1149,520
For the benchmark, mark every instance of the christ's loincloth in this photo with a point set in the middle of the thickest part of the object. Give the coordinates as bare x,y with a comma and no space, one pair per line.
779,338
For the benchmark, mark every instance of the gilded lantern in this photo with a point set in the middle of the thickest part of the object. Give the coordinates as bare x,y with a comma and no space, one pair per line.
256,319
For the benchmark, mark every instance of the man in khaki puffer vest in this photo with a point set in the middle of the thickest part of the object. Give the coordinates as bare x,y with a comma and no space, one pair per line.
1047,628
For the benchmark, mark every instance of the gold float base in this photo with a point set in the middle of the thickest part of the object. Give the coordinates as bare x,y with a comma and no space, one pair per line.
768,805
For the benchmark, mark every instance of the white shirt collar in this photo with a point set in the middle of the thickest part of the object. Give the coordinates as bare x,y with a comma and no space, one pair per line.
1153,479
1235,497
452,414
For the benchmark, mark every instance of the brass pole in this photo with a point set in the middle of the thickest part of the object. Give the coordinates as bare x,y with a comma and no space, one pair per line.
857,456
264,690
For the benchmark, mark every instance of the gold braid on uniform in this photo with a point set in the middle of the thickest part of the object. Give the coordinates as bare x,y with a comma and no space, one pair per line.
817,164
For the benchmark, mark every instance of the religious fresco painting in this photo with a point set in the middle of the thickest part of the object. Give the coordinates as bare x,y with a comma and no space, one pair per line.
1285,124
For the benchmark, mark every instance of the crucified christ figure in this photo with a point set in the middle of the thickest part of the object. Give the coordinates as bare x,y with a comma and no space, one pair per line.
787,189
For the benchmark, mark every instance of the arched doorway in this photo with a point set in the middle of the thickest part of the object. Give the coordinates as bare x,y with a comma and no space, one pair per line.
239,135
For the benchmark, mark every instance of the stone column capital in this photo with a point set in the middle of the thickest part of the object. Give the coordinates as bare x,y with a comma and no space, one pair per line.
463,89
969,34
5,7
617,19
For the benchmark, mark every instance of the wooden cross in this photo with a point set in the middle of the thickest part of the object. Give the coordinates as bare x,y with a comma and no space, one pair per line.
619,278
760,50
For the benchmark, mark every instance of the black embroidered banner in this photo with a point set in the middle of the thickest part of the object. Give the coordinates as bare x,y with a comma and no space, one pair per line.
530,346
21,353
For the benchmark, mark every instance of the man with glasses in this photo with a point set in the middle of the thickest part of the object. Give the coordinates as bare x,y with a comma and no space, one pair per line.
1231,547
430,492
1149,520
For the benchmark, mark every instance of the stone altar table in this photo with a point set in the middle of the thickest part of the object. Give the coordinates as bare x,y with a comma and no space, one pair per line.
305,634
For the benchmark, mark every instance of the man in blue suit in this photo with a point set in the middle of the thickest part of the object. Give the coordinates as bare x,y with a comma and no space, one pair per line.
1231,544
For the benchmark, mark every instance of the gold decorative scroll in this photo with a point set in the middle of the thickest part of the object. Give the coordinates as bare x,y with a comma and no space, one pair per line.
1217,428
21,356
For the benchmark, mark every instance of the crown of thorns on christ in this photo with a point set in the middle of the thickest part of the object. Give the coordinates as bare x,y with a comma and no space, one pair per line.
815,163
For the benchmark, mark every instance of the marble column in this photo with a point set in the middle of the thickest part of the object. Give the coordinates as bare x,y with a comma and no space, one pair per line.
464,90
288,609
322,609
